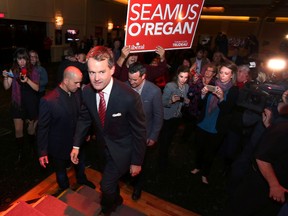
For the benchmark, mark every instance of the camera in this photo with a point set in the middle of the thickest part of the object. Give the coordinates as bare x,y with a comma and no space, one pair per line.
23,73
261,93
257,96
181,99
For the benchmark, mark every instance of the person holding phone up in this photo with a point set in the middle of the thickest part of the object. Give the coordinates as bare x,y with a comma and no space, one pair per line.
24,81
174,98
218,102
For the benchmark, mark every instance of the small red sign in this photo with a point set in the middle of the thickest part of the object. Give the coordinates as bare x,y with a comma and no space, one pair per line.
168,23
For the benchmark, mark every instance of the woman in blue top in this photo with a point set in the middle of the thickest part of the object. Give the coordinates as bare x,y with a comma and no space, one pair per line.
217,109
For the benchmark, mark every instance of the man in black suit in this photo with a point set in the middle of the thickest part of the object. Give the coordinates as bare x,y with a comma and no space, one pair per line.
121,127
59,110
71,59
235,57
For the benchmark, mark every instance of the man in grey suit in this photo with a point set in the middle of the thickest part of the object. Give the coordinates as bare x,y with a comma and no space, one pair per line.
121,128
151,97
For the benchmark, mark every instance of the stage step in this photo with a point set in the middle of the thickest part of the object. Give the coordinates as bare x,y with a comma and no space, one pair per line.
50,205
122,210
22,208
148,204
83,202
80,202
90,193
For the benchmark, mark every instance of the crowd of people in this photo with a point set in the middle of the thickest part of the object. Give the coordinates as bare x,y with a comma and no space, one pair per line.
133,102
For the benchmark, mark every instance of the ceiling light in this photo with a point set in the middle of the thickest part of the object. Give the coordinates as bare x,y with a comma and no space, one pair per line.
122,1
281,19
229,18
213,9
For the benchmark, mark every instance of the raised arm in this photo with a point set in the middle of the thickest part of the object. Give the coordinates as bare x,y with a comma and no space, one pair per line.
124,54
7,81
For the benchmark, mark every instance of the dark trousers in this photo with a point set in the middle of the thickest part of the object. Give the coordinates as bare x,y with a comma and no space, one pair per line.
139,180
251,198
207,145
231,147
109,184
60,166
168,131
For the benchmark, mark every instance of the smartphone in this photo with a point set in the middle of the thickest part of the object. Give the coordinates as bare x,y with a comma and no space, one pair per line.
9,73
211,88
181,99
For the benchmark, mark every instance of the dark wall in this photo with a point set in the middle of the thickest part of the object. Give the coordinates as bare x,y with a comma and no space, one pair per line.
19,33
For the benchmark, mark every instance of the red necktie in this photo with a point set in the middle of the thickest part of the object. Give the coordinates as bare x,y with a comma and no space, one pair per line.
102,108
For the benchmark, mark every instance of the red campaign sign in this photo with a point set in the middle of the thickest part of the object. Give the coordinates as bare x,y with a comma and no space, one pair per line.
169,23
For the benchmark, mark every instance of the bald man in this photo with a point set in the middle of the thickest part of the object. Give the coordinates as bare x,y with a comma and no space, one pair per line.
58,114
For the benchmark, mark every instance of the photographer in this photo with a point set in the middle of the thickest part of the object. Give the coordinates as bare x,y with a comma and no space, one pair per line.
263,188
233,139
23,79
174,98
254,97
219,101
196,85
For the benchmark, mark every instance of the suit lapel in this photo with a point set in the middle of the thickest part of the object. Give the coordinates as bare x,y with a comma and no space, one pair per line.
113,98
144,90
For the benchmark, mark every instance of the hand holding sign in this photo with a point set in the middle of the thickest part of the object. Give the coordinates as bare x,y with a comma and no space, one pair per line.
125,52
161,52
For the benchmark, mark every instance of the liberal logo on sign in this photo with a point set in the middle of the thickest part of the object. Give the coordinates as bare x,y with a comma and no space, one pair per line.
168,23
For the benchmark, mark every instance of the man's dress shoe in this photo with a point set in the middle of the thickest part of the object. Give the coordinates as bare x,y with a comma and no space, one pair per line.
136,194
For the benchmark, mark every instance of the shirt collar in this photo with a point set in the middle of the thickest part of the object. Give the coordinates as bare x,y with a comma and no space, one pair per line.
140,88
108,88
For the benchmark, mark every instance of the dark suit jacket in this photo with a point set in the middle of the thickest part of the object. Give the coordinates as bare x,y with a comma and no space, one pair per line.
152,103
57,123
239,60
124,131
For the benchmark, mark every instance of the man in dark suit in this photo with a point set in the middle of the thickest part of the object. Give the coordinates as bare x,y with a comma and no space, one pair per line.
235,57
59,111
199,62
152,104
121,126
71,59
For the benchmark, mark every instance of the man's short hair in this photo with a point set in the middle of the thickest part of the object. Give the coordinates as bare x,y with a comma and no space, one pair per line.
101,53
137,66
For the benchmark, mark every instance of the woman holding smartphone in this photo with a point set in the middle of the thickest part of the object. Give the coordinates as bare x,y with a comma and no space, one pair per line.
24,105
215,118
174,98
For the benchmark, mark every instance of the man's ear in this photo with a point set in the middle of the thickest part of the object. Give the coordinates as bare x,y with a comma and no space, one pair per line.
112,70
65,81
